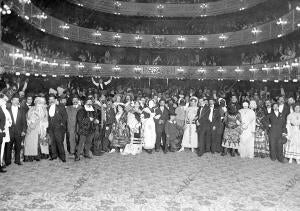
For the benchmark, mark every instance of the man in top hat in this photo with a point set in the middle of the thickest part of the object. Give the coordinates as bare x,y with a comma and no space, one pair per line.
16,131
161,117
213,140
72,113
57,128
173,133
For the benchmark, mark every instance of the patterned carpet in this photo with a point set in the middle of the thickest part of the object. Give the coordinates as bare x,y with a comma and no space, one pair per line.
176,181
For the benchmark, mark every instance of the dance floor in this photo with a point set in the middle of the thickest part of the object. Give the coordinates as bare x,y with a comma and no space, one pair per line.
175,181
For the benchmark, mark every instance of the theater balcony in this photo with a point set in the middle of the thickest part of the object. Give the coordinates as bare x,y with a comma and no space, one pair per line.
277,28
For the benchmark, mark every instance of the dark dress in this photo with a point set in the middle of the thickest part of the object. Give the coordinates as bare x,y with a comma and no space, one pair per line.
261,143
232,131
120,132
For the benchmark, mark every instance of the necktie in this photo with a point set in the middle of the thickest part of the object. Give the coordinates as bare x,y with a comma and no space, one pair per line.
211,114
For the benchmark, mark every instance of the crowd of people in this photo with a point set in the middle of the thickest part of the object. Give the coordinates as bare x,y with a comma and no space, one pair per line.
73,14
72,122
39,43
171,1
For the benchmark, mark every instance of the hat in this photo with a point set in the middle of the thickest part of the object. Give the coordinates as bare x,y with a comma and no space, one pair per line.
16,95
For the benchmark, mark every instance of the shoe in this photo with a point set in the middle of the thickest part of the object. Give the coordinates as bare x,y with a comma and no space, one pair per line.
166,150
224,152
199,154
181,149
2,170
19,163
7,164
290,160
237,152
112,150
64,160
232,153
88,156
49,159
283,161
156,150
77,158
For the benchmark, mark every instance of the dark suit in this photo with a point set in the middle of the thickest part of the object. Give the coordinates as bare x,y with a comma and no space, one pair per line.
2,124
110,118
277,126
15,132
203,129
57,129
286,110
213,141
160,127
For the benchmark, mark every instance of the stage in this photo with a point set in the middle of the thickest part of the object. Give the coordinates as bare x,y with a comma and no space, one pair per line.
175,181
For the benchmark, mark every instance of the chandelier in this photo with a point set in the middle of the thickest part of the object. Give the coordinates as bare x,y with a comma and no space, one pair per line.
5,9
25,1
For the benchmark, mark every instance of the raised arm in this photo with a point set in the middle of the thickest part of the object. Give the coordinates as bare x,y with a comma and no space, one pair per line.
25,85
94,82
109,81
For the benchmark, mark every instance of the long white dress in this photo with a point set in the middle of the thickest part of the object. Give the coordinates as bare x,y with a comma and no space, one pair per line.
190,135
247,137
292,147
134,125
6,138
149,133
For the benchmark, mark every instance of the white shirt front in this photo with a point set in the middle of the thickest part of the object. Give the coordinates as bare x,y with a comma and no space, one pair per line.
211,113
52,110
14,110
280,108
269,110
276,113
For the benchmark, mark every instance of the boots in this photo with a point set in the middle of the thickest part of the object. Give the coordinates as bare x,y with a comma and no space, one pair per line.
224,152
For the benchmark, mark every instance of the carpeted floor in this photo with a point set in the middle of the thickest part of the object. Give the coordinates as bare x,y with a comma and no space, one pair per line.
176,181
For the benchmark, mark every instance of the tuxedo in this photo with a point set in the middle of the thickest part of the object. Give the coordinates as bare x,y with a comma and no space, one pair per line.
72,112
109,119
213,141
57,129
277,126
203,129
18,116
160,127
285,110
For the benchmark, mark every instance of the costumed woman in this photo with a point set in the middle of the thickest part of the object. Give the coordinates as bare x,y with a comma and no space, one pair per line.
36,142
246,148
292,147
120,134
135,126
190,135
149,134
231,137
8,123
261,142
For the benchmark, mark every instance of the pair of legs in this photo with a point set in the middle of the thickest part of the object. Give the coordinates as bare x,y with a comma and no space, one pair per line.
14,144
84,146
161,135
57,137
276,148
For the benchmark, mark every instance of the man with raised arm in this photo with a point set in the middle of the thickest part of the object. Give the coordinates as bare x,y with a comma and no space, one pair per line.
101,84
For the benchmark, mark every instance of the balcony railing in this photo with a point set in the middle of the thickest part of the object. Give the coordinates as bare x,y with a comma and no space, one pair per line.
271,30
14,60
167,10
